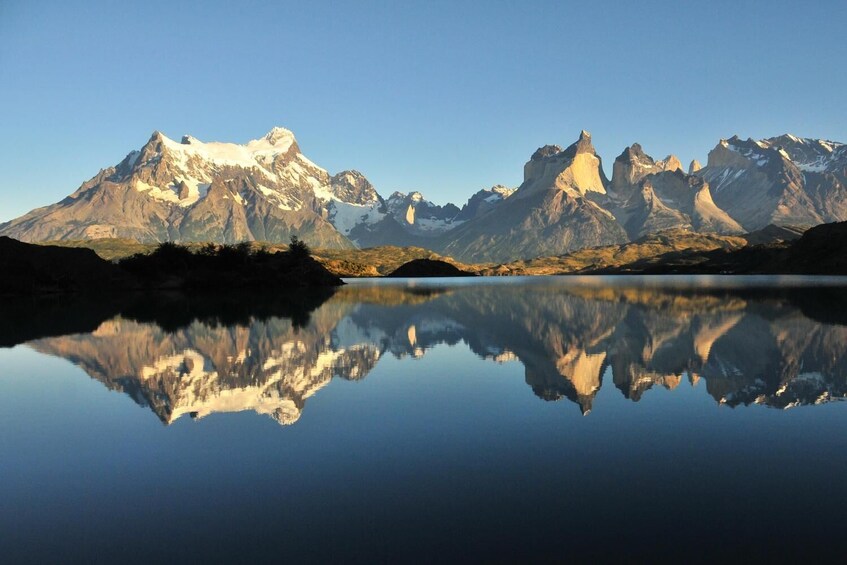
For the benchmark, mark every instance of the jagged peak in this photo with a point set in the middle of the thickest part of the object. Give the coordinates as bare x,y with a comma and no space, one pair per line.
583,144
694,166
579,162
278,143
353,187
157,136
546,151
633,153
279,134
500,189
357,175
412,197
277,140
670,163
789,137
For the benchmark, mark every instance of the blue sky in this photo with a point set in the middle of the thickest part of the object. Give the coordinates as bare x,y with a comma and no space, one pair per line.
441,97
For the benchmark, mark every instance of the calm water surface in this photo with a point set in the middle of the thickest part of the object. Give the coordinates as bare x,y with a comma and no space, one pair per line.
490,420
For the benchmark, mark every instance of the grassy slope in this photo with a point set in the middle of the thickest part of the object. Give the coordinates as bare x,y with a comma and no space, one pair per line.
649,247
378,261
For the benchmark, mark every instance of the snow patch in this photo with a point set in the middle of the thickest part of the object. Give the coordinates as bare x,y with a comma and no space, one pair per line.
346,215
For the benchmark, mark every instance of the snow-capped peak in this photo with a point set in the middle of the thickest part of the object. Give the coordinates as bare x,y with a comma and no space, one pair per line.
182,172
810,155
255,153
280,136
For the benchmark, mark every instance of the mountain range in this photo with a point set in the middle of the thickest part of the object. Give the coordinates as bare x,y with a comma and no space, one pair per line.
267,190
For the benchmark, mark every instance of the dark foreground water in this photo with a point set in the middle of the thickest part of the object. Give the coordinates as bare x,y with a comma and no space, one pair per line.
536,419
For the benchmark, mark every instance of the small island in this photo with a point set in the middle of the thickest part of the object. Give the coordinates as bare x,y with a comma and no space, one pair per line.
423,268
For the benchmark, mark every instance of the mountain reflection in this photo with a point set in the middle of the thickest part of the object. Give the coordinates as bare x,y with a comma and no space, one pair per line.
776,348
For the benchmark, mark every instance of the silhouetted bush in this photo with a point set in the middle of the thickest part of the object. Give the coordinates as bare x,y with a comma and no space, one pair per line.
234,255
171,256
298,248
208,250
262,254
228,266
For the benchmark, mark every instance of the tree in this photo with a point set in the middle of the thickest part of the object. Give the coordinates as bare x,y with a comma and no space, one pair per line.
298,248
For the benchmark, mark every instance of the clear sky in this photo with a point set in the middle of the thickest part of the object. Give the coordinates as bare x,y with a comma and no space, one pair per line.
442,97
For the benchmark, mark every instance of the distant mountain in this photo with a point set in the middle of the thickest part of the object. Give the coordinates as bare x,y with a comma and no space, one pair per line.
782,180
405,219
195,191
648,196
557,209
483,201
267,190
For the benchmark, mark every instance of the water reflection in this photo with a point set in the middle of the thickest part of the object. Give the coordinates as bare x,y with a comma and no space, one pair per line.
778,348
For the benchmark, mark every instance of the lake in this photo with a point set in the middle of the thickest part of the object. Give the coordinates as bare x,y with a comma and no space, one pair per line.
513,419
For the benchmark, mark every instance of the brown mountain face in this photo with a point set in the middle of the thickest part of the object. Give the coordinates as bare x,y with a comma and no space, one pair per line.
649,196
554,211
633,165
777,181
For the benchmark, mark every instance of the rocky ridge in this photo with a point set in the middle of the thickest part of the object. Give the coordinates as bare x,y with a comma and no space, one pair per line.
267,190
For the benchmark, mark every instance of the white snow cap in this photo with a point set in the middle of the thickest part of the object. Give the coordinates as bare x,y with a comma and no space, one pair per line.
277,141
279,136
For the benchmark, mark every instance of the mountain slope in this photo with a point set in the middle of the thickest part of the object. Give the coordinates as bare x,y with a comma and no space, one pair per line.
649,196
551,213
194,191
778,181
649,247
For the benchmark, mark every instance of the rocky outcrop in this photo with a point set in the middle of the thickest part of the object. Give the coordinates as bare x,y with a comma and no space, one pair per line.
552,212
632,166
648,196
577,170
